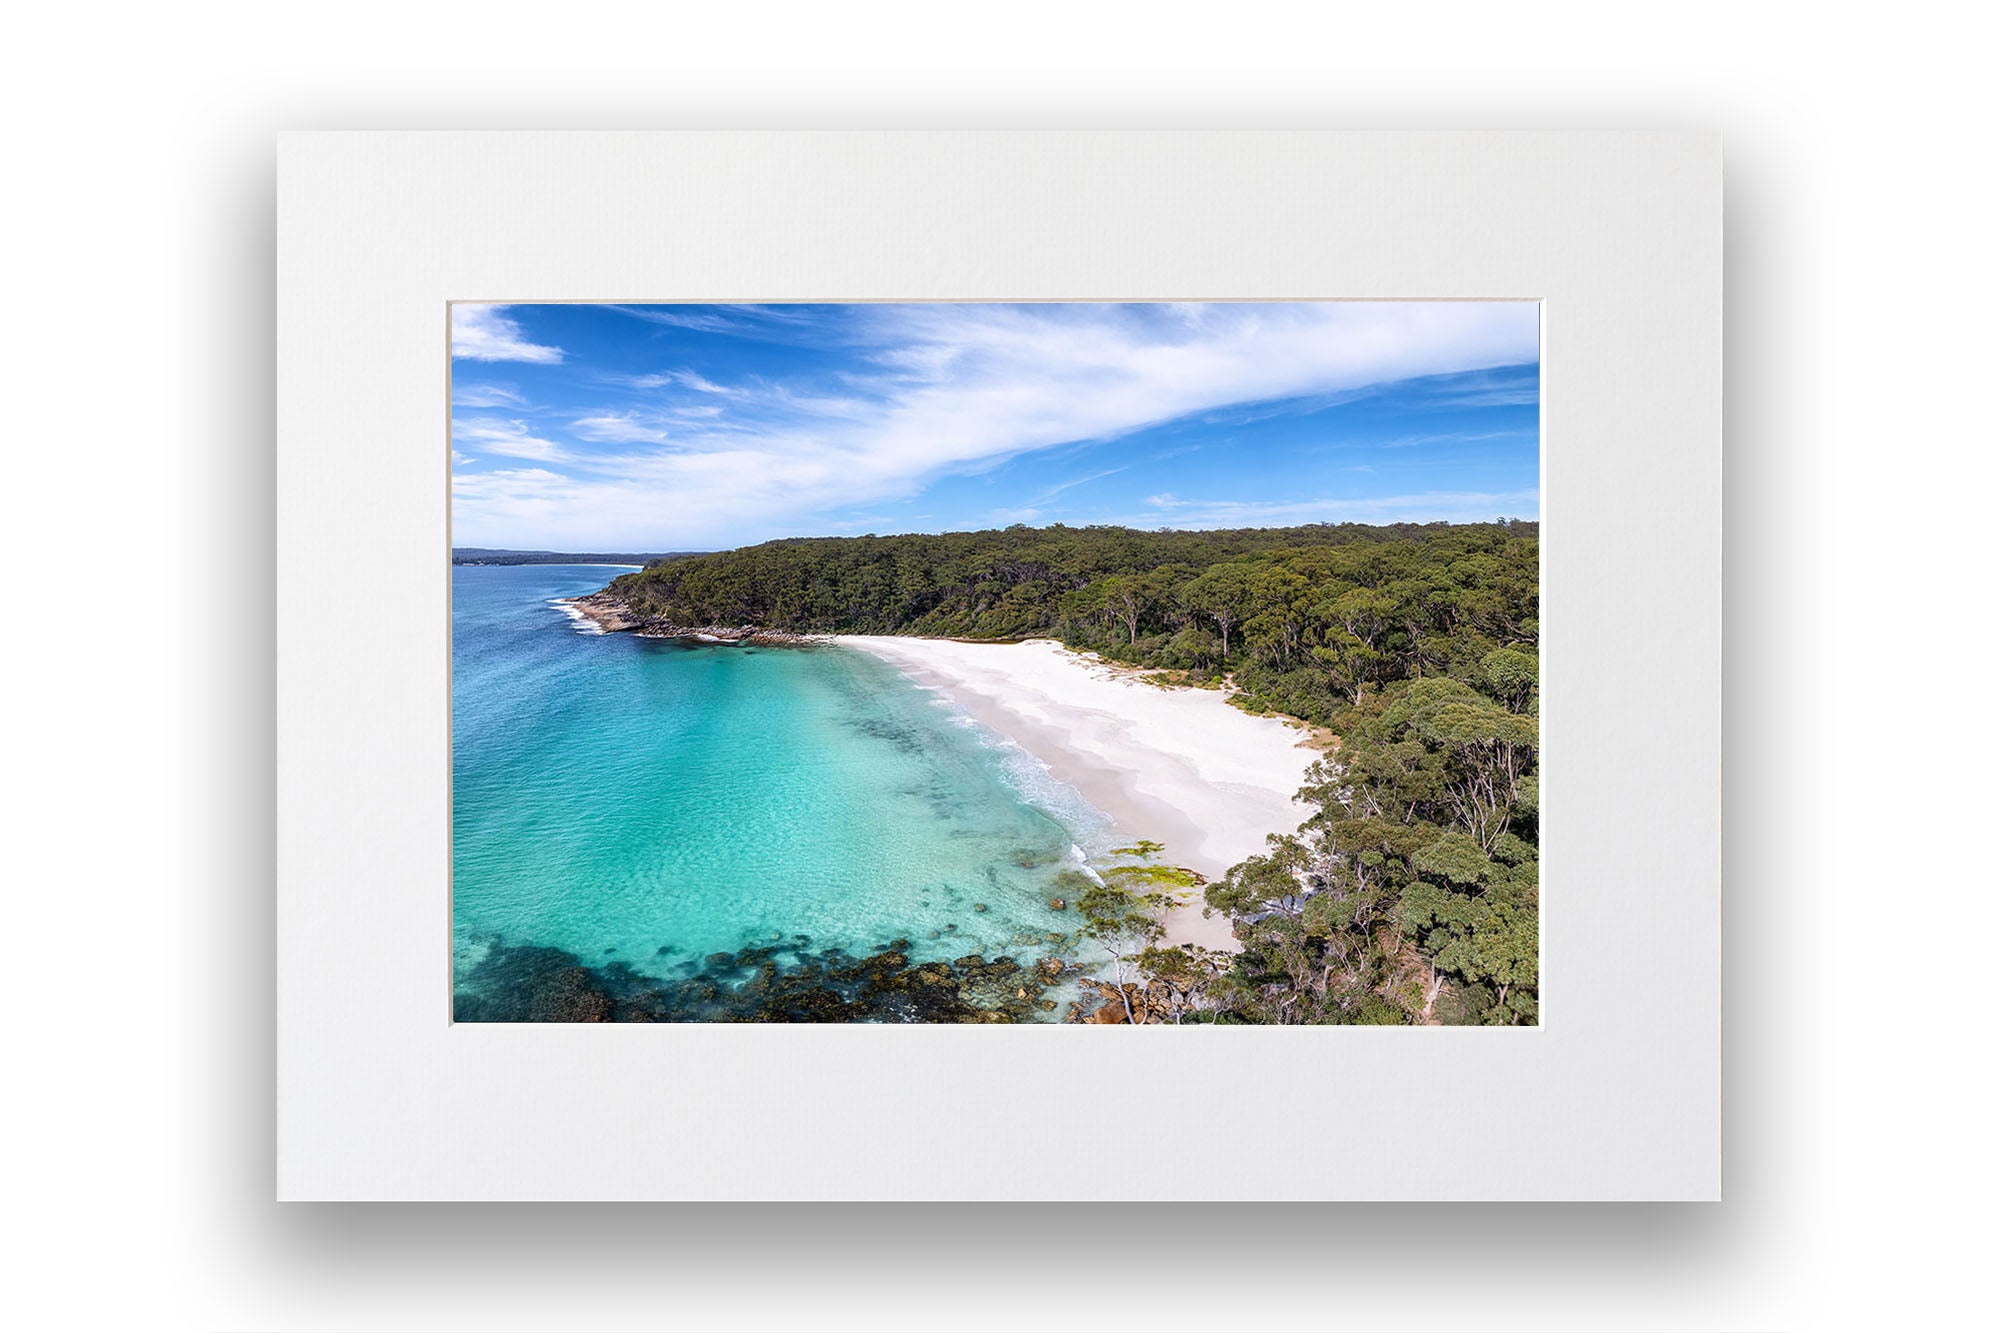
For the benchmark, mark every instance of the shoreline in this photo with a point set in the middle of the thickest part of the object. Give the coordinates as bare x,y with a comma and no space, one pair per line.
1176,764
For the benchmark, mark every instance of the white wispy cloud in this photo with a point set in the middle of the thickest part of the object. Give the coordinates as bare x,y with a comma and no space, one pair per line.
702,320
619,428
485,333
1453,437
727,319
1051,492
678,405
523,495
486,395
1487,395
512,438
962,388
1421,507
701,384
752,321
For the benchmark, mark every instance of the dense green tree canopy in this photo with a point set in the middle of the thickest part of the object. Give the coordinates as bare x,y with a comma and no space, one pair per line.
1412,895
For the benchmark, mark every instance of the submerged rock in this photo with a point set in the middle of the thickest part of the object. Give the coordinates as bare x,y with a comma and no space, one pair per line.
757,984
532,985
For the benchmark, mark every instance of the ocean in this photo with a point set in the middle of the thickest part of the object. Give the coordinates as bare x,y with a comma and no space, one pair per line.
628,810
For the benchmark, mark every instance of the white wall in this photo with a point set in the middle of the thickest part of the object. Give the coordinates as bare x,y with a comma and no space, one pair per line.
138,483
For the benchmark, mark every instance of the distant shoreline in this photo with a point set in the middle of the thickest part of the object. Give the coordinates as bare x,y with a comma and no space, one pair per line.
493,555
559,564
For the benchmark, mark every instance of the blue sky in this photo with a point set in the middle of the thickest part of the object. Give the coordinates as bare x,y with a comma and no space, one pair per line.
688,427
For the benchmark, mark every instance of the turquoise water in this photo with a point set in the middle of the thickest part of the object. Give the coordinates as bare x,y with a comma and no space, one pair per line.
647,802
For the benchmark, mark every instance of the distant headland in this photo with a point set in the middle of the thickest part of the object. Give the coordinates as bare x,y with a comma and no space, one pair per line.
487,555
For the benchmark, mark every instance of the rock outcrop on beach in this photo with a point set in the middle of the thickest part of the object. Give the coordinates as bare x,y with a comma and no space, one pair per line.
614,615
610,613
1147,1001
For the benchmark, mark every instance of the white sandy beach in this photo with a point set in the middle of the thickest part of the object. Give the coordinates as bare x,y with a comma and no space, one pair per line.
1180,766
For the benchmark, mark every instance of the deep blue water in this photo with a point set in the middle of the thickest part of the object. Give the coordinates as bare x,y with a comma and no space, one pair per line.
648,802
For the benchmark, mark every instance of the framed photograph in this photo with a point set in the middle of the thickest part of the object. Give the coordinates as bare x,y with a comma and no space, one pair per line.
1190,677
979,666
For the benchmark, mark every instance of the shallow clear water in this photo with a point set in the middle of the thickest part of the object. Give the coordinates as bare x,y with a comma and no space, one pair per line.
646,802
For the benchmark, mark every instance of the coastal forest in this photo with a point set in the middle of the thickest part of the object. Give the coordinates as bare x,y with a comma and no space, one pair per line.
1411,895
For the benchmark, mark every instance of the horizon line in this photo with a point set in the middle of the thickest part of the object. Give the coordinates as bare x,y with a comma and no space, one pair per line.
635,549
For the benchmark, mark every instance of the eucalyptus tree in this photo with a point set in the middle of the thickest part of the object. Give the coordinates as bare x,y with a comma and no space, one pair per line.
1125,909
1223,595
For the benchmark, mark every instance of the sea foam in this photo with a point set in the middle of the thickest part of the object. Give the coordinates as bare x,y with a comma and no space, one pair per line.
1033,782
582,623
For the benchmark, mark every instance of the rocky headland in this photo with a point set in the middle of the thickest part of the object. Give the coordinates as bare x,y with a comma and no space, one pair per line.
614,615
